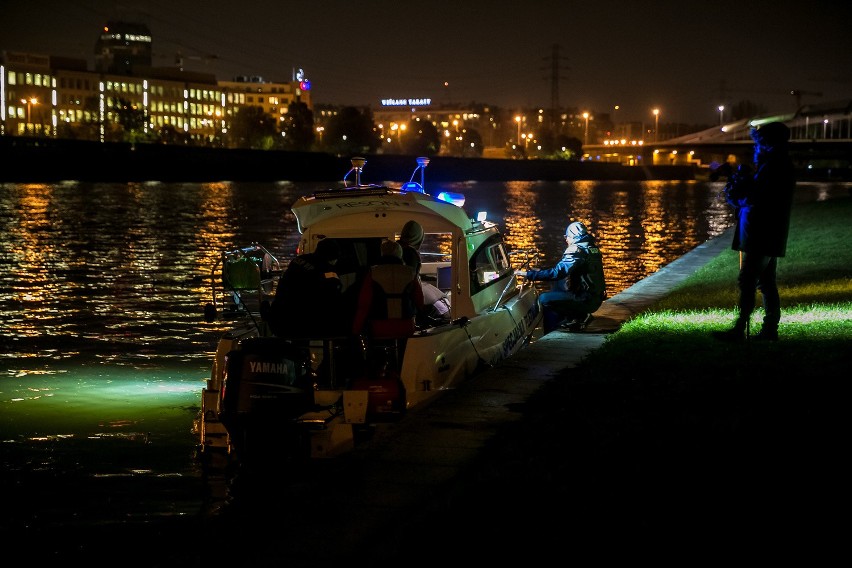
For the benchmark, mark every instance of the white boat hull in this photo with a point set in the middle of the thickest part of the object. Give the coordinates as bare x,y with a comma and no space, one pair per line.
492,316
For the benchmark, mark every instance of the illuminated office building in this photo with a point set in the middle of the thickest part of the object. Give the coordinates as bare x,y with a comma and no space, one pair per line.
53,96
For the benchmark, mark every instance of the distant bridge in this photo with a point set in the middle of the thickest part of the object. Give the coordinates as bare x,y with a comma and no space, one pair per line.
820,142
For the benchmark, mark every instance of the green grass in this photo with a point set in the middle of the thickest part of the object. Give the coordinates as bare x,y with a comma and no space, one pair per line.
665,441
672,337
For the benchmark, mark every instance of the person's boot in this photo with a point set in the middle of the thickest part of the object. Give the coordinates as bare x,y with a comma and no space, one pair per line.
734,335
578,324
767,333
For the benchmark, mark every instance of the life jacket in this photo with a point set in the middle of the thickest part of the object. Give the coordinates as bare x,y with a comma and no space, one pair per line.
393,310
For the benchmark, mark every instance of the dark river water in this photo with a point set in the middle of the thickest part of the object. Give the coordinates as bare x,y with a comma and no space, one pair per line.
103,347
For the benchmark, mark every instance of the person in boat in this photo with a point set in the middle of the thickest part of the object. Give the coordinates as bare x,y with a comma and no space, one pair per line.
308,300
410,239
436,310
389,299
579,286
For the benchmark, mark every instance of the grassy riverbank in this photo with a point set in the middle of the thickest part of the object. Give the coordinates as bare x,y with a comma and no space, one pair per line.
666,444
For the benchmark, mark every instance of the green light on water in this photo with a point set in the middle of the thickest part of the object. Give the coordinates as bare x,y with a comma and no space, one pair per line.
107,402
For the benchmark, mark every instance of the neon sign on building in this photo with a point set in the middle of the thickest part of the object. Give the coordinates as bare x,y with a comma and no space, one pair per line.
406,102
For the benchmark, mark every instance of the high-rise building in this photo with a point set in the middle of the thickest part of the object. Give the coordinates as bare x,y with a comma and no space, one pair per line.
123,47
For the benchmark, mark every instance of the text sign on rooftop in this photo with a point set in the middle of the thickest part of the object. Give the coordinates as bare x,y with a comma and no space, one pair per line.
406,102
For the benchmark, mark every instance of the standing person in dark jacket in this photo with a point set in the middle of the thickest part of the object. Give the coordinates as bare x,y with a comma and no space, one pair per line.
308,299
763,202
579,286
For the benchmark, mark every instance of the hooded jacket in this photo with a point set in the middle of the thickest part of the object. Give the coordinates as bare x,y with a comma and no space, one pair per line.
764,200
308,300
579,271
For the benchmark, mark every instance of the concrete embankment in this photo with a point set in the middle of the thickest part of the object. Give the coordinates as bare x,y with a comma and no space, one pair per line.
48,160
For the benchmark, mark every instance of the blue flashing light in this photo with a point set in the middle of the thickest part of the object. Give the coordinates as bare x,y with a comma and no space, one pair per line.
305,85
456,199
412,187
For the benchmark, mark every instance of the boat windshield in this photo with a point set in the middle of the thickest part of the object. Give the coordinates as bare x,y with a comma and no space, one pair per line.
489,264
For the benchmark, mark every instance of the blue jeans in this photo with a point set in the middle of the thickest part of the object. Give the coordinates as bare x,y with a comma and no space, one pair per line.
558,306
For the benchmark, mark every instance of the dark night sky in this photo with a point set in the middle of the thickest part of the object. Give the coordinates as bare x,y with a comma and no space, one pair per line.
678,56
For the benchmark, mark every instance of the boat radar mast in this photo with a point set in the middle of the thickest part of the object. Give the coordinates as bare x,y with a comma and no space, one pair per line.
357,167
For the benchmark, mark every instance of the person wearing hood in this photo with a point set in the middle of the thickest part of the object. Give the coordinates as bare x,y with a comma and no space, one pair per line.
436,304
579,286
763,199
410,239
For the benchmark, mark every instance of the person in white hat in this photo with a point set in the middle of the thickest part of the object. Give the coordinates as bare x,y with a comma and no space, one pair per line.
579,286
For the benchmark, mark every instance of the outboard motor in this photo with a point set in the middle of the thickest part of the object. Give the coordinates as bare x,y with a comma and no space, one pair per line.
268,383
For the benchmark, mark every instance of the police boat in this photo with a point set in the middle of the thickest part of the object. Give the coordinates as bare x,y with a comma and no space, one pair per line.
304,397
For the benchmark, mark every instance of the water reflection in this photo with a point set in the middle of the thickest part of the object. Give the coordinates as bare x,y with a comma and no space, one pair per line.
522,225
100,277
640,226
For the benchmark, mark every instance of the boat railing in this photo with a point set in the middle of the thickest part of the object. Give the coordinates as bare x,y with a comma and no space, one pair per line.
351,191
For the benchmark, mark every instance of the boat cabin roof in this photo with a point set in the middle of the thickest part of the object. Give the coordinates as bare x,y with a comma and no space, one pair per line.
350,208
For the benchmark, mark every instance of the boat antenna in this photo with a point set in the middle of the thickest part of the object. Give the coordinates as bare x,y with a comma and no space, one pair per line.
357,167
422,162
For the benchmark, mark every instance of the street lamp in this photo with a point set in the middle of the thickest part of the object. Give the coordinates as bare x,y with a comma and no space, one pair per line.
586,135
518,120
656,122
615,129
29,102
721,113
320,130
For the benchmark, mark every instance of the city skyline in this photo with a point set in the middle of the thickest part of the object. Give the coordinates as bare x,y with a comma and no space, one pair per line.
665,55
